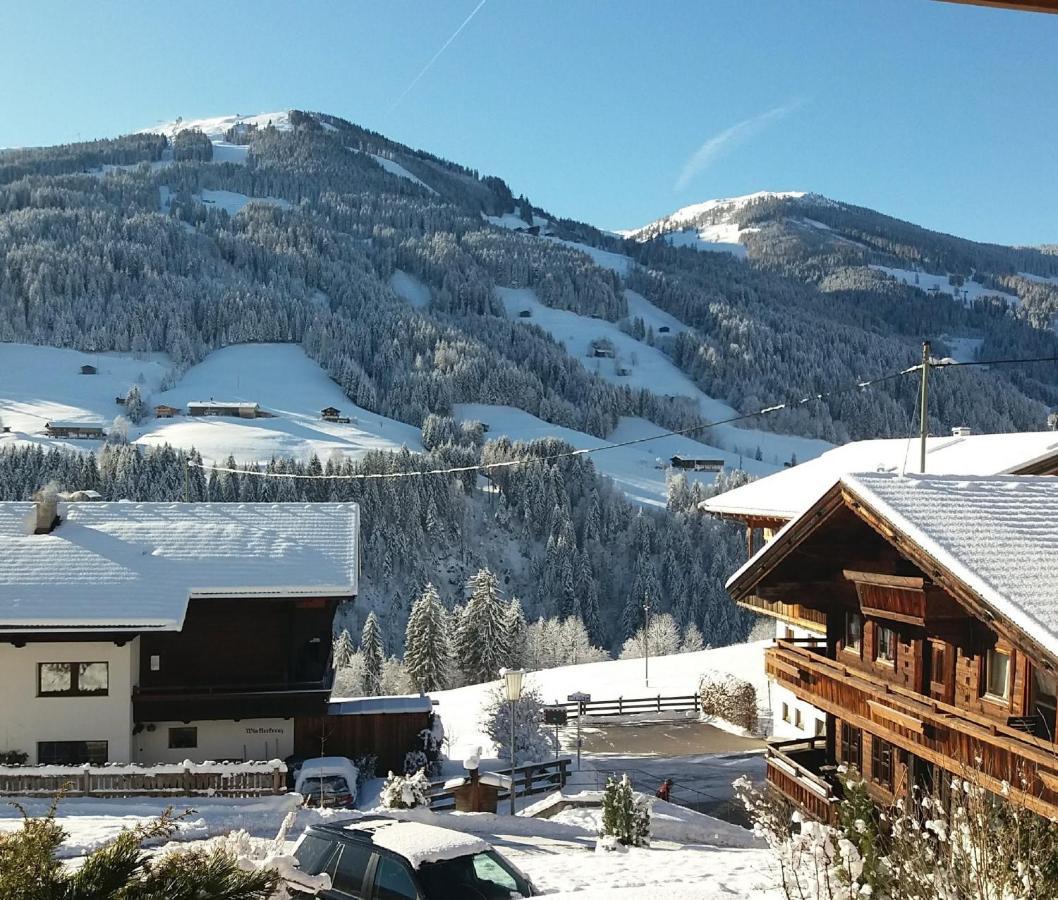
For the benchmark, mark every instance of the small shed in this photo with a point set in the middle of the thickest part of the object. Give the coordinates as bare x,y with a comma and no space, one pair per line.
480,792
388,727
88,370
525,314
697,464
663,329
602,348
161,411
120,401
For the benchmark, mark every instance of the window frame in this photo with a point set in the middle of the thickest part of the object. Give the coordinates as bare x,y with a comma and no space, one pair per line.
882,753
75,690
851,736
986,672
785,711
81,762
857,647
183,729
890,660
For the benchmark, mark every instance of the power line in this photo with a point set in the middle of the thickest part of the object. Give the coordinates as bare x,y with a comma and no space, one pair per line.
484,467
946,364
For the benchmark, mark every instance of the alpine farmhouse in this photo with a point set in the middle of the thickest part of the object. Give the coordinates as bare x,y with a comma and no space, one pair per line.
161,632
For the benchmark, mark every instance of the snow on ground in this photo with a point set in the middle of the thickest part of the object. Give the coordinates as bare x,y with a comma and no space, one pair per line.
639,470
722,206
216,127
234,202
1041,279
677,675
395,168
606,259
410,288
653,317
516,221
969,291
963,349
650,368
223,152
278,376
723,238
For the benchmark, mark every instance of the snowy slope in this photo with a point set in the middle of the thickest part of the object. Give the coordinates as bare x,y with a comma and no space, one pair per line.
215,128
653,317
395,168
675,675
967,293
638,470
409,288
234,202
649,368
728,205
278,376
606,259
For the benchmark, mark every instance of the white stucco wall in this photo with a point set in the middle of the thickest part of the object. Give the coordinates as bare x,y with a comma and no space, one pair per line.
245,739
782,729
26,718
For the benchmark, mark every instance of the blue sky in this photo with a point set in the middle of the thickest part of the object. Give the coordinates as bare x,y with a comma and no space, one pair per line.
610,111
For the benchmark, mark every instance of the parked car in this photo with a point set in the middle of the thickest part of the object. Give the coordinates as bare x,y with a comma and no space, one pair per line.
327,781
383,859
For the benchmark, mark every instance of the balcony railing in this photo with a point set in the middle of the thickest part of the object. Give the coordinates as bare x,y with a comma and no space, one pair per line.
795,614
799,770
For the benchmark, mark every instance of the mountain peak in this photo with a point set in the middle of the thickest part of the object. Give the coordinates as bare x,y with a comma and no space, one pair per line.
216,128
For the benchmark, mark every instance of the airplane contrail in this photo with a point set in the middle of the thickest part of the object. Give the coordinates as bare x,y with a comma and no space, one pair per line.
444,47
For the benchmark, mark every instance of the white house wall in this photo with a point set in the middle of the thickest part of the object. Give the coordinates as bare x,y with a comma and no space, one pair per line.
786,709
221,739
26,719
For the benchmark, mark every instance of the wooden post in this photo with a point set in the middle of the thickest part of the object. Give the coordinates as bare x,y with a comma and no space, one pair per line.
86,781
278,781
187,782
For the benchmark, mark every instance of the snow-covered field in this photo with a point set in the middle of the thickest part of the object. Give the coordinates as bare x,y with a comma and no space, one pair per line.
234,202
410,288
648,367
215,127
39,384
677,675
967,293
639,470
395,168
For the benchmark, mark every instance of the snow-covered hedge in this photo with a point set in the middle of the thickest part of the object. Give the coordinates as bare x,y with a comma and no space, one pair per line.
406,791
730,698
203,768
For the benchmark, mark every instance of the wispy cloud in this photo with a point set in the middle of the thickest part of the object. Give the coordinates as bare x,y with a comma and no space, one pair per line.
437,55
730,138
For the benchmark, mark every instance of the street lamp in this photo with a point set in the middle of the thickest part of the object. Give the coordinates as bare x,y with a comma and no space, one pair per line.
512,681
646,641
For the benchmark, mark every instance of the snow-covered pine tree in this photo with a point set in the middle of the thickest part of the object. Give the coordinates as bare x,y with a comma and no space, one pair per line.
343,645
427,657
517,635
692,639
532,740
371,647
625,817
481,641
135,407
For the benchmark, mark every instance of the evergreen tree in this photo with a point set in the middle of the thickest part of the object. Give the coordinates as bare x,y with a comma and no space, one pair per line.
374,655
426,653
343,645
517,635
481,641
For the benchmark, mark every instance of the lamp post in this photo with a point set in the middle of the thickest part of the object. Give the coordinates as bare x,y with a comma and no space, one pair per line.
512,679
646,641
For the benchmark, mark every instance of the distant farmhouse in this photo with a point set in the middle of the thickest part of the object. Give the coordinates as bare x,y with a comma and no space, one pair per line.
602,348
234,408
333,414
88,370
161,411
85,430
697,464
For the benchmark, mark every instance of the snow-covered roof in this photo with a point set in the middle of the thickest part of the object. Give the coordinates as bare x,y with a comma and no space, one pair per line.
54,423
420,843
996,534
786,493
366,706
134,566
238,403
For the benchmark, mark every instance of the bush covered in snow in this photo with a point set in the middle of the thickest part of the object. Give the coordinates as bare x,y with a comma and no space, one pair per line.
625,815
427,753
532,741
729,698
406,791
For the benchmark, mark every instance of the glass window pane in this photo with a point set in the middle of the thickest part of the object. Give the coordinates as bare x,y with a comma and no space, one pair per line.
314,853
488,870
96,752
997,671
55,678
352,866
92,678
392,881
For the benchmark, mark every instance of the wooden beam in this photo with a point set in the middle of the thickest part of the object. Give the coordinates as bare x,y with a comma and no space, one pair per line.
1039,6
880,579
894,717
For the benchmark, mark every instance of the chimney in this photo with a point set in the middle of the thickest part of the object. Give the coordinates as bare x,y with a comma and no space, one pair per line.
47,509
961,431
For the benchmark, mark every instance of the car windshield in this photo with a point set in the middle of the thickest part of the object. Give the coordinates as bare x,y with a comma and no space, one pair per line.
483,876
328,785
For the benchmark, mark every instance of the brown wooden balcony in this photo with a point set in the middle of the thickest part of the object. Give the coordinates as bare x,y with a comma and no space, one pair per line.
957,740
261,701
798,769
794,613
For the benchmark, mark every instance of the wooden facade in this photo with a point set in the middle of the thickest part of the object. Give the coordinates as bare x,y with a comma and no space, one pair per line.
388,735
918,678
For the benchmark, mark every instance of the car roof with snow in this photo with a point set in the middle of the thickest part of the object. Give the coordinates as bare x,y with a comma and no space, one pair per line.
417,842
787,493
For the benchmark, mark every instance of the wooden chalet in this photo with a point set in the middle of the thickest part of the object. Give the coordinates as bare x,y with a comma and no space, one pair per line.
83,430
88,370
333,414
161,411
939,655
602,348
695,464
234,408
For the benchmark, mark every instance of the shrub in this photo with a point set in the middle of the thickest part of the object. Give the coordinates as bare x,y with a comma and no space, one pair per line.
406,791
729,698
13,758
532,741
366,769
625,815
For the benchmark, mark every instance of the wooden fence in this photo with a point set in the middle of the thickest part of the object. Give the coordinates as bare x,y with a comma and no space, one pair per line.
535,778
93,781
626,706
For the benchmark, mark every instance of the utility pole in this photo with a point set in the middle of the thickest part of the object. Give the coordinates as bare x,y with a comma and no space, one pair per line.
924,412
646,641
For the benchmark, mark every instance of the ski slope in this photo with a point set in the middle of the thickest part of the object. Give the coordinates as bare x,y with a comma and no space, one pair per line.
639,470
38,384
235,202
967,293
409,288
217,126
395,168
648,367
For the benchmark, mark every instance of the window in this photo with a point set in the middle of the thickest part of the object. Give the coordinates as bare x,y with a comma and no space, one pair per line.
316,854
885,645
786,712
352,866
183,738
797,720
997,674
788,633
392,881
72,679
156,662
882,763
821,727
851,746
853,632
71,753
